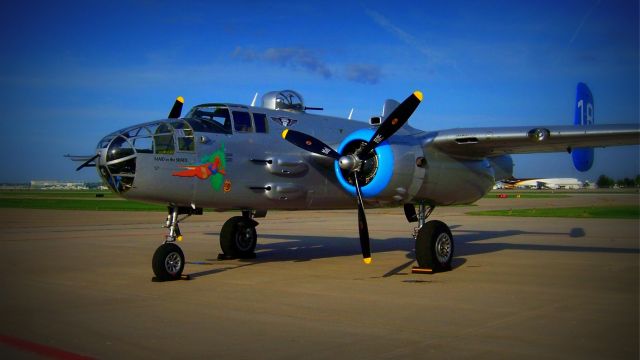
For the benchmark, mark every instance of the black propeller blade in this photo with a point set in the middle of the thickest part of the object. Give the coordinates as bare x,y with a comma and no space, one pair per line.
176,110
363,228
309,143
390,126
393,123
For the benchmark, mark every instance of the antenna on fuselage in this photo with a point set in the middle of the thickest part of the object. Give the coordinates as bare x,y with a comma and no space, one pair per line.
350,113
255,97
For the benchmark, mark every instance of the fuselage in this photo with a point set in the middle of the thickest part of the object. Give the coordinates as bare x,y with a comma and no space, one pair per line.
226,156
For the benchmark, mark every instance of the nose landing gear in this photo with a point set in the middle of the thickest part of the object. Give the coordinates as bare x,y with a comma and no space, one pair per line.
168,260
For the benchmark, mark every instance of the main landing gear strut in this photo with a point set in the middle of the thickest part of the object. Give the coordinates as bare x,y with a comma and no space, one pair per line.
434,242
238,239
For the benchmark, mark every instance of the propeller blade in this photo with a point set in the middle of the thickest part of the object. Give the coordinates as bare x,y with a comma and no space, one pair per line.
309,143
362,225
176,110
88,162
393,123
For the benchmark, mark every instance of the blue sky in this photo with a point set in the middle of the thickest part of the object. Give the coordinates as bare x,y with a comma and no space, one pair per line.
71,72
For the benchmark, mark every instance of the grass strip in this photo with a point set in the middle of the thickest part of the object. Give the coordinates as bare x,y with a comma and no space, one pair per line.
80,204
57,194
525,196
595,212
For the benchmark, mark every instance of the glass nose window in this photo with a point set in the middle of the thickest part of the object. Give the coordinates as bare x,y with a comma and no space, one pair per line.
125,146
120,148
121,164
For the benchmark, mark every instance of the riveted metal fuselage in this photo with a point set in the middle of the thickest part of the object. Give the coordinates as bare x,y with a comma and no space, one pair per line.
259,170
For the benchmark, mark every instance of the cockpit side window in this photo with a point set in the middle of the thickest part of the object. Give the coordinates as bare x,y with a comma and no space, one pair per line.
260,120
242,121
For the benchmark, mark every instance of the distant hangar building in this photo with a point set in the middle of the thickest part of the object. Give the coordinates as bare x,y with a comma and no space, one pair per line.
57,185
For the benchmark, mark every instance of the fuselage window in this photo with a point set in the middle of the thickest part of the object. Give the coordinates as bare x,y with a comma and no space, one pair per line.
184,135
163,140
260,120
143,144
241,121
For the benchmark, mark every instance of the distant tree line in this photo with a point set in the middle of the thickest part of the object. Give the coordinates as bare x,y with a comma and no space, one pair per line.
606,182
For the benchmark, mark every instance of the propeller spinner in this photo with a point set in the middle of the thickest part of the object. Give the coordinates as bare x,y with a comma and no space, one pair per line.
353,162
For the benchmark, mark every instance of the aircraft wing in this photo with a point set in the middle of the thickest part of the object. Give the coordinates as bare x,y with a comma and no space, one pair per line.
484,142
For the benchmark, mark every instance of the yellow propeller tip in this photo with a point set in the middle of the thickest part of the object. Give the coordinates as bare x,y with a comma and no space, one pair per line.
180,98
284,133
179,238
367,260
418,94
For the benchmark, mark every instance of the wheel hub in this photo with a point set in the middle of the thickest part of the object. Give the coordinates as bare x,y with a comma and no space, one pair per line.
244,239
443,248
172,263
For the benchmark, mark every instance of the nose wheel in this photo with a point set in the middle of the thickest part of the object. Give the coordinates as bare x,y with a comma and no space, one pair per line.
168,262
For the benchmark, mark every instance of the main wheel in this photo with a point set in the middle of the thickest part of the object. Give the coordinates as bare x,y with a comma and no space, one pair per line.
434,246
238,237
168,262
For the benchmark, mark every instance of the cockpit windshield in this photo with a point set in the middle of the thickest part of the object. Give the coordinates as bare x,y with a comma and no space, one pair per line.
210,118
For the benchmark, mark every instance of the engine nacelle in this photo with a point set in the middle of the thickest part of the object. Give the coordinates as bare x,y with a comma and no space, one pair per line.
389,175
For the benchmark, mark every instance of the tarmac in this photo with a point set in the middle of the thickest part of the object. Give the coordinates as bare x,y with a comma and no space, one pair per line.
79,284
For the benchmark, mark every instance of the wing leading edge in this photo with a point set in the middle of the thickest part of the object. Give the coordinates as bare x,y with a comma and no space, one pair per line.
485,142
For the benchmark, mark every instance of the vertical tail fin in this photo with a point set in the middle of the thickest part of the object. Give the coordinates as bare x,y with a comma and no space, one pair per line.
584,115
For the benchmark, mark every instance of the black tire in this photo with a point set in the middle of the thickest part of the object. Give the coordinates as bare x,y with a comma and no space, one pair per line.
238,238
434,246
168,262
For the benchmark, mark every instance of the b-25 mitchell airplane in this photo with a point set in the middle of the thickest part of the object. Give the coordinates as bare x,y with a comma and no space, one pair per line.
278,157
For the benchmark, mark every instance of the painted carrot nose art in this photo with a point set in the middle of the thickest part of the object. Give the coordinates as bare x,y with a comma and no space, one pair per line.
211,167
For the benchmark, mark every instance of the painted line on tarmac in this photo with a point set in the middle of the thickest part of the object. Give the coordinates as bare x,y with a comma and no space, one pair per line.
42,350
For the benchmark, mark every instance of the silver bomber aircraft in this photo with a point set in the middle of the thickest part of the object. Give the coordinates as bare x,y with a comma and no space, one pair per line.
279,157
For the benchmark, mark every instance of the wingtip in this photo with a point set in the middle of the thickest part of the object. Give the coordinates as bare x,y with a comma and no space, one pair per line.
418,94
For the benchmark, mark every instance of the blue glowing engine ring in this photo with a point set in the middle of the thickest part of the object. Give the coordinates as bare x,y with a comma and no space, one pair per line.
385,165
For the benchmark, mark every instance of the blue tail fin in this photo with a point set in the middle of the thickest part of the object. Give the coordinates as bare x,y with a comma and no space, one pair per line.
584,115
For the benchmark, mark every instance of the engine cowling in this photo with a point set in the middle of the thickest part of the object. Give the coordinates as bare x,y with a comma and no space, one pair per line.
387,176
